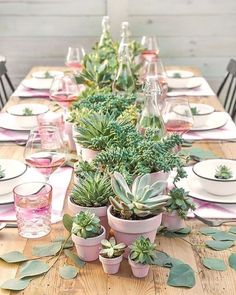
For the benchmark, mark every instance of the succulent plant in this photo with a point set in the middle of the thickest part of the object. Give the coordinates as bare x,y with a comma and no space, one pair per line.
92,191
86,225
110,249
223,172
2,172
143,251
142,201
179,202
83,168
27,112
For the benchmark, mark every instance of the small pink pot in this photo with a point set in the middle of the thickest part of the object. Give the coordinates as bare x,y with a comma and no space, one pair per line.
172,221
139,270
88,154
100,212
111,265
88,249
127,231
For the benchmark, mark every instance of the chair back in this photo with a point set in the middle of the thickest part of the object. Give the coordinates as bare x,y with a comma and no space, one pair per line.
4,78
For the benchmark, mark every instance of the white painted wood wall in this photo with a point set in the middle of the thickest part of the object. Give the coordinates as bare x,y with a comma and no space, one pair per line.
201,33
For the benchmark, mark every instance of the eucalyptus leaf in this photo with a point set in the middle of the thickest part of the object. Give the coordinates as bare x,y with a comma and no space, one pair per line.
68,244
183,232
232,260
214,264
33,268
223,236
232,230
75,258
181,275
202,154
68,272
208,231
13,257
15,284
67,222
46,250
162,259
219,245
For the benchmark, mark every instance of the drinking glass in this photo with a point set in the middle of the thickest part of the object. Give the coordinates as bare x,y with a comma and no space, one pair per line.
151,48
32,202
177,115
45,150
74,59
52,119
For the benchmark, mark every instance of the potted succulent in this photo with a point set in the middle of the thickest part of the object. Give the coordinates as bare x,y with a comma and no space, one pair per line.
87,234
137,211
142,255
177,208
111,255
91,193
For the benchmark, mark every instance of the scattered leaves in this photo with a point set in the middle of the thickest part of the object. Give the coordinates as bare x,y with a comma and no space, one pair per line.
47,250
219,245
67,222
75,258
181,275
68,244
33,268
232,260
223,236
15,284
214,264
181,233
232,230
13,257
68,272
208,231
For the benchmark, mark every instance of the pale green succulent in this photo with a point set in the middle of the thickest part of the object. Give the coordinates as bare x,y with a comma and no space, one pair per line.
141,201
111,249
143,251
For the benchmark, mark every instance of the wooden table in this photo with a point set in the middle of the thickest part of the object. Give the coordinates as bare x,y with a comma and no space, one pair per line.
92,280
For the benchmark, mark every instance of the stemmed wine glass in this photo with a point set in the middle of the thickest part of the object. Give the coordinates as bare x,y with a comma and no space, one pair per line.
45,150
74,59
151,48
177,115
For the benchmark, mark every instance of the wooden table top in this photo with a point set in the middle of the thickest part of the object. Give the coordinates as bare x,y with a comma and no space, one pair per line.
92,280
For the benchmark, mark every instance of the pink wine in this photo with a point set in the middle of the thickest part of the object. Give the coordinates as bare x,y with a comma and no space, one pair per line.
178,126
149,54
74,65
64,99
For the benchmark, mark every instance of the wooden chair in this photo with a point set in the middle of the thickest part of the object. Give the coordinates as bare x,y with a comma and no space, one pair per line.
4,78
229,86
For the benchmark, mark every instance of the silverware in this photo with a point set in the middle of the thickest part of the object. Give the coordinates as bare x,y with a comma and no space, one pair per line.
9,225
213,223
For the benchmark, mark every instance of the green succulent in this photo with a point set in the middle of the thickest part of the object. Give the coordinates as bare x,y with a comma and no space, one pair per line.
86,225
92,191
179,202
143,251
130,115
223,172
27,111
83,168
110,249
142,201
2,172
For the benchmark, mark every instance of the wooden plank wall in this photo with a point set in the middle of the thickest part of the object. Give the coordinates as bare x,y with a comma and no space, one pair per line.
190,32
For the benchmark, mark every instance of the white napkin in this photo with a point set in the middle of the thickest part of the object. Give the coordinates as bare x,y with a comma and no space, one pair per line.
22,91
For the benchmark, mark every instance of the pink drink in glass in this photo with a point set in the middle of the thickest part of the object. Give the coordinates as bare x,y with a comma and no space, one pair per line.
52,119
33,209
63,98
75,66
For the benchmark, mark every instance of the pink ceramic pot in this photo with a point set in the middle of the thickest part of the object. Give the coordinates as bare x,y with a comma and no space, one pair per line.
111,265
172,221
127,231
69,134
100,212
88,154
88,249
139,270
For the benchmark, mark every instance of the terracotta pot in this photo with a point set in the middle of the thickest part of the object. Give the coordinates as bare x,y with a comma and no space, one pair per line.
172,221
139,270
88,154
127,231
100,212
88,249
111,265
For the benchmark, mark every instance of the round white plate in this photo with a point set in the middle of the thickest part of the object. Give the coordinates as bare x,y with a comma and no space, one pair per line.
8,122
47,74
196,191
202,109
179,74
30,175
36,108
37,84
186,83
12,168
213,121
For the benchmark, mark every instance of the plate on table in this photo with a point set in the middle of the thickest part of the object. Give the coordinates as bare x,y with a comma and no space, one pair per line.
185,83
37,84
8,122
196,191
213,121
30,175
47,74
179,74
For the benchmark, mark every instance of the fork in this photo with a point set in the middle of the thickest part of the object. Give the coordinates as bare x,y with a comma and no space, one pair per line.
213,223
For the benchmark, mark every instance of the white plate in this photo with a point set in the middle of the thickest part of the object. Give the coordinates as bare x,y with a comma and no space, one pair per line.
195,190
186,83
47,74
213,121
179,74
202,109
36,108
30,175
37,84
12,168
8,122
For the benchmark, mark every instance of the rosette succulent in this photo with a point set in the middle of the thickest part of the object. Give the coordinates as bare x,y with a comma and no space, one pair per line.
143,251
110,249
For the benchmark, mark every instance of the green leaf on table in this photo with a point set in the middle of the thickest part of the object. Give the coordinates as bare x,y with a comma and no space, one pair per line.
162,259
68,244
67,222
232,230
208,231
13,257
232,260
181,233
219,245
223,236
181,275
33,268
175,261
15,284
46,250
202,154
68,272
75,258
214,264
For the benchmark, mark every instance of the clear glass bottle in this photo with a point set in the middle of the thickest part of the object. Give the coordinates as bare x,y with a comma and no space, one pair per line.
125,41
105,39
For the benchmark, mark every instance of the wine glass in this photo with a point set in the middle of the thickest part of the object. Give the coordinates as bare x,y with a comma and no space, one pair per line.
177,115
151,48
45,150
74,59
